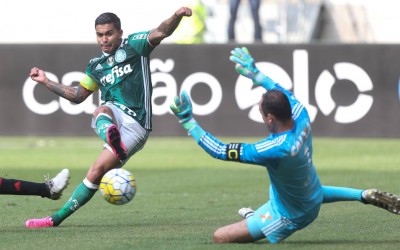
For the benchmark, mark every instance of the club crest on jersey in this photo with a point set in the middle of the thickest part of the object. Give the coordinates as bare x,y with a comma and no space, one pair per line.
120,55
110,60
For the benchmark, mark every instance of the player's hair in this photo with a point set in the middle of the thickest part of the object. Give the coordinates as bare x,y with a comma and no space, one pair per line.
276,103
108,17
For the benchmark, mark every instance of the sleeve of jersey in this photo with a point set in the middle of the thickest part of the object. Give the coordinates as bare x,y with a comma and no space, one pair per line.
240,152
214,147
140,43
266,82
88,83
265,153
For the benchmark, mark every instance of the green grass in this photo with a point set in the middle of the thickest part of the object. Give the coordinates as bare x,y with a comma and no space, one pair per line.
184,195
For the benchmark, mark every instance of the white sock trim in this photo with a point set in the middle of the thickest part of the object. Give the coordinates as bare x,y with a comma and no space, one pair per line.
364,194
90,185
103,114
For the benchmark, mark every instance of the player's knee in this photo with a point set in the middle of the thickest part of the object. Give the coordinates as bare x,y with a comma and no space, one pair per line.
219,236
96,172
104,110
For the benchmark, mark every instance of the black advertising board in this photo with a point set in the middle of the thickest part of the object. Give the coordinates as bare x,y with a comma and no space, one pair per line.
349,90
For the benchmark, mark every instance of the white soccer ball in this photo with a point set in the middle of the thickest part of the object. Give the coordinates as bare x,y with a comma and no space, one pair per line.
118,186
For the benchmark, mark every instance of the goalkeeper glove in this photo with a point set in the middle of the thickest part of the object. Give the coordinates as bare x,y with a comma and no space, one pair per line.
246,67
244,62
182,108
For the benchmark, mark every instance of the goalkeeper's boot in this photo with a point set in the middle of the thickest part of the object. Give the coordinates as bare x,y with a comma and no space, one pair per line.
57,185
381,199
38,223
115,142
246,212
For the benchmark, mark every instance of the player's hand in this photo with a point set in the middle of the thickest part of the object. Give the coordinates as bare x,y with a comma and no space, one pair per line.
182,107
38,75
183,11
244,62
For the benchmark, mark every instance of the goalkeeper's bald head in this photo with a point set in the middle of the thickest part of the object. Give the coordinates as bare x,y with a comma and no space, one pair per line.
276,103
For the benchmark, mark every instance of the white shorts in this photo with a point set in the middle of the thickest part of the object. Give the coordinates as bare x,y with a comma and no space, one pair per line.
133,135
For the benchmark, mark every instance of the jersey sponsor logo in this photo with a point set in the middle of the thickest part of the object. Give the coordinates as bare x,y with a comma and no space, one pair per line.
116,72
120,56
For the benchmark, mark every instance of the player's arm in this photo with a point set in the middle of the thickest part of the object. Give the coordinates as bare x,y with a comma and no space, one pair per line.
182,108
167,27
245,66
75,94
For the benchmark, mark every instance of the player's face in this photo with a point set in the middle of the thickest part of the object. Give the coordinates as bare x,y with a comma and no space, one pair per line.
108,37
268,119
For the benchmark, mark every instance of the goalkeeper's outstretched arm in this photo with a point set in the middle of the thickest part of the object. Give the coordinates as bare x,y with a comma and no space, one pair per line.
182,108
246,67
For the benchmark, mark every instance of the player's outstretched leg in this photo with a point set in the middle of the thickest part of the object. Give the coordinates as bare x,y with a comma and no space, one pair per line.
381,199
115,142
81,195
57,185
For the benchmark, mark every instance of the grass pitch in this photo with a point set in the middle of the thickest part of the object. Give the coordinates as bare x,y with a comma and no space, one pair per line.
184,195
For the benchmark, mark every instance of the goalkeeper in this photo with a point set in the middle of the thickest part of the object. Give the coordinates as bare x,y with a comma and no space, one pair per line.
295,192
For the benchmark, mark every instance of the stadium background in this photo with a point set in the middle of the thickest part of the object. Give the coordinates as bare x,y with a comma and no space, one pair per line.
339,57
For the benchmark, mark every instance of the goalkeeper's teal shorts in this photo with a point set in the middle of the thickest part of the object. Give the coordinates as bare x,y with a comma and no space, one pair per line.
269,223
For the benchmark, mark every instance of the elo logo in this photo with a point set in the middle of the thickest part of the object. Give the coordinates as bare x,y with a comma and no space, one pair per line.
166,87
248,97
353,73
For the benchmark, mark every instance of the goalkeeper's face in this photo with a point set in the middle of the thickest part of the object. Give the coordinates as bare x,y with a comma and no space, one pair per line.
108,37
267,118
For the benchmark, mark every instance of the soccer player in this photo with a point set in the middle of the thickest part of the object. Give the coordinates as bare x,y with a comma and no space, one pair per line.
123,119
51,188
295,192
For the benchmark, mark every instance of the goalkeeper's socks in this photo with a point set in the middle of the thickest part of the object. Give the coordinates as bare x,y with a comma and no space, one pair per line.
333,194
19,187
82,194
103,122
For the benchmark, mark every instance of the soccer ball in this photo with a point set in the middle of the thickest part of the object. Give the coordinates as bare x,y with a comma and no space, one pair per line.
118,186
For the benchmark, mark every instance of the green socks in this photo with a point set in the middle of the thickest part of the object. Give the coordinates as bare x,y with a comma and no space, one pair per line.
103,121
80,197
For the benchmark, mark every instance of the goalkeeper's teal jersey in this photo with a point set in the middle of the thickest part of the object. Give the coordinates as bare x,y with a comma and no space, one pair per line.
295,189
124,77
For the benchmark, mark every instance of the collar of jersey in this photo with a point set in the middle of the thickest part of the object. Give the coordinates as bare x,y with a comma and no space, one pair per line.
122,42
